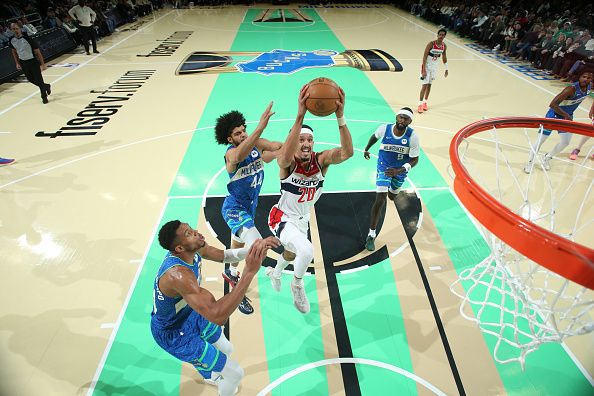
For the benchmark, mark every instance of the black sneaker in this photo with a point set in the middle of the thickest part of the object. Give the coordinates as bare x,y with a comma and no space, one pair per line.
44,100
48,89
244,306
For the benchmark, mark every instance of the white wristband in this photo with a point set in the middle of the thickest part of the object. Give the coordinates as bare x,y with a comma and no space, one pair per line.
446,65
234,255
341,121
406,166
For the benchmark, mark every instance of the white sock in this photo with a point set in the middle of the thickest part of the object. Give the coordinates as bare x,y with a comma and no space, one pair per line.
233,270
371,233
232,374
420,102
298,281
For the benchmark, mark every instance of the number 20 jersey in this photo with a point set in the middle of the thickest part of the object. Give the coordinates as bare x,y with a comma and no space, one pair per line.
301,190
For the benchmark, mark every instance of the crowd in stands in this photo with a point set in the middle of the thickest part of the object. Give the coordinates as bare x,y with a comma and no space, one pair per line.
35,16
552,35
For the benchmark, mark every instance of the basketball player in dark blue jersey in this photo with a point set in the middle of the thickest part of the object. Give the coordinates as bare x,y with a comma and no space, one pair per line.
186,319
399,152
561,107
244,161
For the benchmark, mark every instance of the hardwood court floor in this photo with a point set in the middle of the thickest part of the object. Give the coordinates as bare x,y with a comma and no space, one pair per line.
79,216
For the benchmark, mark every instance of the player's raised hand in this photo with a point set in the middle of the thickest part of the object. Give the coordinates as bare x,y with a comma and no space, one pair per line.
303,95
272,242
265,117
366,155
340,104
256,255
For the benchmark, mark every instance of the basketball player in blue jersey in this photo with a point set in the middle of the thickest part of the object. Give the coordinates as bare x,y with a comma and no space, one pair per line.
244,163
561,107
186,319
398,153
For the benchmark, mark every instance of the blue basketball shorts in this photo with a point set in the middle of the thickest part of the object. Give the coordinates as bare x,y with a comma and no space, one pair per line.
384,183
192,343
552,114
236,218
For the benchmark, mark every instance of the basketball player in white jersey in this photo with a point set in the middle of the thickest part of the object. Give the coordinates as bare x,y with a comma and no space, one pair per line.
302,178
429,65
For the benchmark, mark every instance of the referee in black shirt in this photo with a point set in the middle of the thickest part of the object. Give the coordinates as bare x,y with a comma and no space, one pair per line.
27,57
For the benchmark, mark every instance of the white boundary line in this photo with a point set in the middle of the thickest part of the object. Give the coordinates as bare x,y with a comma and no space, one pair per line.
399,250
578,364
368,362
2,112
125,305
357,269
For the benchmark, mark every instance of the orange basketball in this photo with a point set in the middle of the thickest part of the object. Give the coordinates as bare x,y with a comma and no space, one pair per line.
323,94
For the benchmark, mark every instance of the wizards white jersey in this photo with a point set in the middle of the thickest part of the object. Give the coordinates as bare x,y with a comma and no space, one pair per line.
434,54
301,190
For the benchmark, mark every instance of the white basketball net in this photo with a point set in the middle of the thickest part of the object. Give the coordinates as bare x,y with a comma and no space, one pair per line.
509,296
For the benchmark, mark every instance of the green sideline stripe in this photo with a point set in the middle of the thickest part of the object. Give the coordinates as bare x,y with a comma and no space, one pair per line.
376,328
549,370
136,365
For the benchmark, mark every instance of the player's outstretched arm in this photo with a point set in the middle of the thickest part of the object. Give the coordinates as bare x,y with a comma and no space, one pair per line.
238,154
372,140
212,253
269,150
286,154
345,151
567,93
183,282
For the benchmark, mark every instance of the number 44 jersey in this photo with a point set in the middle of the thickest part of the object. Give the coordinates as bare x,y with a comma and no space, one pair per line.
301,190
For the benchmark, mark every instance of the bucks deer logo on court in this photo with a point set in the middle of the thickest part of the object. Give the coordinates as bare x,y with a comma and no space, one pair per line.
281,61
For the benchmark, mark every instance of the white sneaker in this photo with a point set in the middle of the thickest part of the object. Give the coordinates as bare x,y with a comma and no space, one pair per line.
496,48
528,167
274,281
299,297
546,162
214,380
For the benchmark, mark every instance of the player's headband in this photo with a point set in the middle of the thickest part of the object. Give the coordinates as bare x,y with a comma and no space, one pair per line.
404,112
307,130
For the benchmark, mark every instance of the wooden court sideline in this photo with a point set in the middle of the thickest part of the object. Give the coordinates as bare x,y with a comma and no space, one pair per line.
80,213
